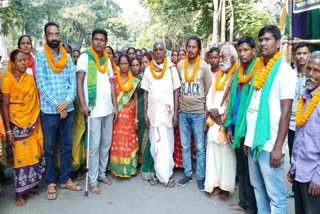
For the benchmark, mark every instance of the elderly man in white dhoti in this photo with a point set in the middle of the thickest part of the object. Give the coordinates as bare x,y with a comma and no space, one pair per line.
161,84
220,158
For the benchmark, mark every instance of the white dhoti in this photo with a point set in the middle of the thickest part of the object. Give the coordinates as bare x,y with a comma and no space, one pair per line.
220,167
162,147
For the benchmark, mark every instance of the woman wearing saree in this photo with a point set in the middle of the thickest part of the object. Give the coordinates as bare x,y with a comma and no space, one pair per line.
21,115
145,158
125,142
25,44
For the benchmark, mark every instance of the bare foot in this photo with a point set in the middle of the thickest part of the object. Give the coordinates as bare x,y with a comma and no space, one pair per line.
224,196
95,190
236,207
20,201
2,193
216,191
106,180
32,194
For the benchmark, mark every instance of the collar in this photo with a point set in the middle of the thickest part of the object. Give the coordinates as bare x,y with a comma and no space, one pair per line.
297,72
306,93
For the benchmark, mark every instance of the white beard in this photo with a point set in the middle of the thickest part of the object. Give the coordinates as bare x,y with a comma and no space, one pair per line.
224,66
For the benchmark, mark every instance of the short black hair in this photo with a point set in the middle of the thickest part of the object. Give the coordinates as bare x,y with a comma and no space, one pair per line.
100,31
111,49
271,29
143,49
50,24
214,49
197,39
66,45
138,50
301,45
21,37
247,39
132,49
147,54
14,53
126,56
76,51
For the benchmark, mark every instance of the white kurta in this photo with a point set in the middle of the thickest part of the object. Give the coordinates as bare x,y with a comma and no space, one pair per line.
160,113
220,157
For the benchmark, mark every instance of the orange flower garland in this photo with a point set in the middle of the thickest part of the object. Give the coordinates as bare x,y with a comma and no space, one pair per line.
115,68
301,119
221,86
54,65
260,79
195,68
123,87
247,78
163,69
96,58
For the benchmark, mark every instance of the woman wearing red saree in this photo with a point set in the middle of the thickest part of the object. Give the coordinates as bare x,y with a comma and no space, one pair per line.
125,142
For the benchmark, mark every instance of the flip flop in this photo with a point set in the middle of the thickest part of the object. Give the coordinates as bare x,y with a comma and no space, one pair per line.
289,194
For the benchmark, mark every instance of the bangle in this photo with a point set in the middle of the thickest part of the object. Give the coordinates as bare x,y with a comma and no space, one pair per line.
10,131
136,120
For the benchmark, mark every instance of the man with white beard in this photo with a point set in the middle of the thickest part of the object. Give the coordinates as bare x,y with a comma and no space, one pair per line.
221,159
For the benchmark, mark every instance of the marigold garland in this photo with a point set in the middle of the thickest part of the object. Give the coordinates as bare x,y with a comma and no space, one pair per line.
54,65
96,59
163,69
261,77
195,68
221,86
115,68
123,87
301,119
247,78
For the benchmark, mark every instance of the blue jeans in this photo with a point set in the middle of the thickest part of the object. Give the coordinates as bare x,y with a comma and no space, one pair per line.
196,124
52,125
268,184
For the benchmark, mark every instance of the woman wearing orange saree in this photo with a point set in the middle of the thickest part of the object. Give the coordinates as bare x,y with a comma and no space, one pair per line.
125,142
21,115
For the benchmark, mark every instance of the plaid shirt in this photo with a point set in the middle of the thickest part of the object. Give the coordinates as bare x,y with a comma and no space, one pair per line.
55,87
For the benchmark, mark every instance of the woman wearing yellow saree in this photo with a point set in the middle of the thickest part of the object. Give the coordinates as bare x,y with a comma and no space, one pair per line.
21,115
125,142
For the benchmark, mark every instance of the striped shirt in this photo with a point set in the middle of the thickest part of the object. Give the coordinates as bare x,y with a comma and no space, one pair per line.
55,87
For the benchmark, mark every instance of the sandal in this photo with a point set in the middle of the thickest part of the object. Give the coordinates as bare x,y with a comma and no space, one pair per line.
71,185
289,194
51,193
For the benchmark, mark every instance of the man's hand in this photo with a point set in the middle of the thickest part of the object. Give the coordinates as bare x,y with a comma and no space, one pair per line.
245,150
63,114
10,139
314,189
62,106
214,113
230,137
290,177
175,120
218,120
84,110
146,121
275,157
115,114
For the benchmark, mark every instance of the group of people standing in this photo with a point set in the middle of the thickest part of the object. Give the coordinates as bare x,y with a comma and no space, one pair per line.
146,108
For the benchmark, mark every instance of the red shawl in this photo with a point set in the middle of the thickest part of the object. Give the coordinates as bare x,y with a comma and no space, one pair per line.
31,65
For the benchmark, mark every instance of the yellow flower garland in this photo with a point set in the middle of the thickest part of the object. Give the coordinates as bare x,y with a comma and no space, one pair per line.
54,65
96,59
163,69
195,68
301,119
247,78
221,86
260,79
123,87
115,68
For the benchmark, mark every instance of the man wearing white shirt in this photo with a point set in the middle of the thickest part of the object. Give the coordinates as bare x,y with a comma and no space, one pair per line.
96,94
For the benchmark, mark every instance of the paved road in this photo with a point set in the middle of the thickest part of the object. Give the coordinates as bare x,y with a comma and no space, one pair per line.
134,196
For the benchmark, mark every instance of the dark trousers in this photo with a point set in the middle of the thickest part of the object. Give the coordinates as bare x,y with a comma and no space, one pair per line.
51,125
246,192
290,141
305,203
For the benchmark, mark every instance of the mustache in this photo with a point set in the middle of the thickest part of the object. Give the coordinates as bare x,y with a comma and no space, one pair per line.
310,80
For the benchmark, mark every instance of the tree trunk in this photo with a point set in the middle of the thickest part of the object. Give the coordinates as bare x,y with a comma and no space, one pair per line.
223,22
231,22
215,35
